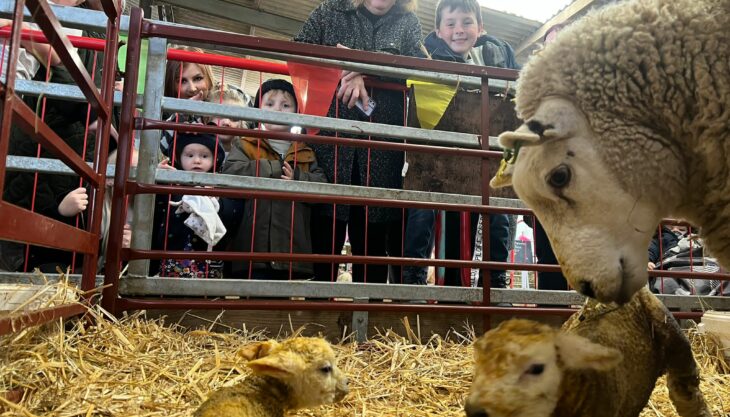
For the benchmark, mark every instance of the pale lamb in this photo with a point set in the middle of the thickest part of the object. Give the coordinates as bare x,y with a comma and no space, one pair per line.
297,373
603,363
626,121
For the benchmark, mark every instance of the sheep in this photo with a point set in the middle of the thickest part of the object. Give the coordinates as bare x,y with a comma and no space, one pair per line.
626,121
297,373
604,362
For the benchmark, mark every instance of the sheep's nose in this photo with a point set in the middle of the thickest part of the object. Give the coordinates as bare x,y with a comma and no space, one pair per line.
587,289
475,411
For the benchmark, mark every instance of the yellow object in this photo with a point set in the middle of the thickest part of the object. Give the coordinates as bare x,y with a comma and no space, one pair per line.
431,101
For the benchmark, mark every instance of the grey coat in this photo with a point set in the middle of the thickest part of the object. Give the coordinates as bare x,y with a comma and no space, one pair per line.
398,32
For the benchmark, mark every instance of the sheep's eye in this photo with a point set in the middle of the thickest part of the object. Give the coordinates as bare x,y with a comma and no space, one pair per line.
326,369
559,177
535,369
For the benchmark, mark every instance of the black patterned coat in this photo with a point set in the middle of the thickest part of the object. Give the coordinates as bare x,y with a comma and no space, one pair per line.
397,32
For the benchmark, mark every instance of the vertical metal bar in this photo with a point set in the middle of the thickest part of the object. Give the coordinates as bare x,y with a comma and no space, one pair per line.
126,141
101,147
487,280
149,153
8,92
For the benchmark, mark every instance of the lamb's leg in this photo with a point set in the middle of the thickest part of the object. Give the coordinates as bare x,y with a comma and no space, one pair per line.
683,377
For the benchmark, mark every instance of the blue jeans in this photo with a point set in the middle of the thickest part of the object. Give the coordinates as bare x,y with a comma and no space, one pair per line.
418,243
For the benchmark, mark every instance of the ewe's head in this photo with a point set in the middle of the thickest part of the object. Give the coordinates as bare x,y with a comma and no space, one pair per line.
307,365
598,230
519,367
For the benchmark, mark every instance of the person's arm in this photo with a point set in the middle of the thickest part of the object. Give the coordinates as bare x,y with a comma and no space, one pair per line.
315,174
412,42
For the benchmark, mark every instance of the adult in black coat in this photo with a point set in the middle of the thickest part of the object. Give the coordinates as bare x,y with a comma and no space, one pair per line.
387,26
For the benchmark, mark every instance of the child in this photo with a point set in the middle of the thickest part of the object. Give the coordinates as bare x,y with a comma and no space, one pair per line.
197,223
458,36
229,97
185,80
278,226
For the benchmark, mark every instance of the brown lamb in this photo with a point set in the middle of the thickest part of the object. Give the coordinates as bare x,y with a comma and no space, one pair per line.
297,373
604,362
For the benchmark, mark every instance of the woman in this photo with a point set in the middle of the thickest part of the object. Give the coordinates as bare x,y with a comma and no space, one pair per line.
388,26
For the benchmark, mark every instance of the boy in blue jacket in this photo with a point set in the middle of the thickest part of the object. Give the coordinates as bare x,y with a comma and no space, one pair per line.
458,36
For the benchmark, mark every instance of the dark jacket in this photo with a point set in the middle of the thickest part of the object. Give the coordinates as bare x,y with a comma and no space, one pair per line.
273,224
68,120
181,238
668,241
397,32
495,52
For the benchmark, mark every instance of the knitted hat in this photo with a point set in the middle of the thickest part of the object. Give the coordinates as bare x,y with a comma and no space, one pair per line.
209,141
275,84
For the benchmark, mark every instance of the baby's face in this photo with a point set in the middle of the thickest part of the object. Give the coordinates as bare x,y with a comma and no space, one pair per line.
196,157
278,100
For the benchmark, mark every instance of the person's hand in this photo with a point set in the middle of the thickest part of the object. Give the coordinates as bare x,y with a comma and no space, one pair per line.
287,171
651,266
127,235
74,203
198,96
352,87
165,164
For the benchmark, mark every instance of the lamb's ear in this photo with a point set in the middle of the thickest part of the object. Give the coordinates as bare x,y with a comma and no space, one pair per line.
503,177
256,350
279,365
523,135
577,352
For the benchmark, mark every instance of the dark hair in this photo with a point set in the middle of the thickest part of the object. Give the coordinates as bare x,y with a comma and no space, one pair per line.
209,141
275,84
466,6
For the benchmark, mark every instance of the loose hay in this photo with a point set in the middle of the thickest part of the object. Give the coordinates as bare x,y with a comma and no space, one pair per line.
140,367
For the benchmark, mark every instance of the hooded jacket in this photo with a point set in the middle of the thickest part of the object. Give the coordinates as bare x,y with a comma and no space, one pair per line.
272,226
491,51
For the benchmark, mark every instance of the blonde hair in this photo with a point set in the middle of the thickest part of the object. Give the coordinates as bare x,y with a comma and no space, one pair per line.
228,94
404,5
172,73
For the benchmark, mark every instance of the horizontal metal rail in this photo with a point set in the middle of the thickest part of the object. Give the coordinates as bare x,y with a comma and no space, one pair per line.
96,21
189,287
15,323
413,135
23,225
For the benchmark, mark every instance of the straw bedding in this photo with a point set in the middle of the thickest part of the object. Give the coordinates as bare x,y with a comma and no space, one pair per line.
140,367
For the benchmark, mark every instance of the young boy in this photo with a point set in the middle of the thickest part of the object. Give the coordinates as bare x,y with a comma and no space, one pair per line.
458,36
195,223
278,226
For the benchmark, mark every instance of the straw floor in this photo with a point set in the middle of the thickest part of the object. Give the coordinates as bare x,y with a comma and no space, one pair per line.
140,367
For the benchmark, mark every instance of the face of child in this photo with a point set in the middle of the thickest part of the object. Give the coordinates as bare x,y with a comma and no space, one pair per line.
196,157
277,100
459,30
379,7
193,84
72,3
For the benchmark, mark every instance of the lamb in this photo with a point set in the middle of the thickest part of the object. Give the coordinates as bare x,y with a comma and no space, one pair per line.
298,373
626,121
603,363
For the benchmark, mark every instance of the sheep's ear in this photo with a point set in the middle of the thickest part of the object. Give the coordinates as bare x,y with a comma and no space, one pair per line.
577,352
279,365
503,177
256,350
520,137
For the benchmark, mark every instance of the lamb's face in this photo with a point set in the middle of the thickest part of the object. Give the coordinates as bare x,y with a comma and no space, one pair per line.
308,366
599,232
516,372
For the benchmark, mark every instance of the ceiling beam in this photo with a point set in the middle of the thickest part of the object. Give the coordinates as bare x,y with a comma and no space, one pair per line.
241,14
565,15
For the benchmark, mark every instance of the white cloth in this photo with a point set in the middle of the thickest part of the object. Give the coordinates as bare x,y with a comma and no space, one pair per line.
203,219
